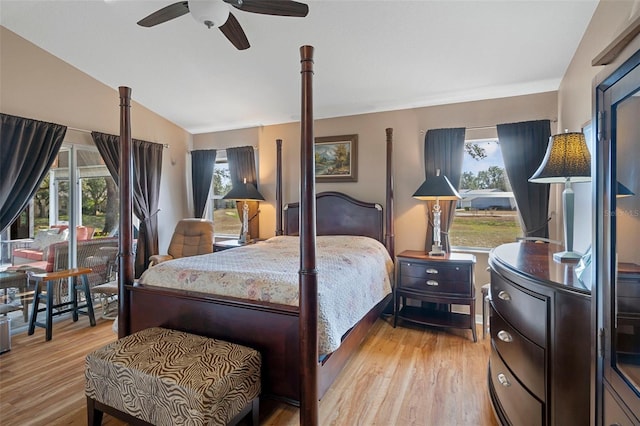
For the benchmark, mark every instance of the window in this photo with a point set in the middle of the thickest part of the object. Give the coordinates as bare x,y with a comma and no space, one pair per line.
224,213
487,215
98,200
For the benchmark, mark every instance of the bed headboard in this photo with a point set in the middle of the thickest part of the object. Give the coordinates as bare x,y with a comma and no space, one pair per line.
339,214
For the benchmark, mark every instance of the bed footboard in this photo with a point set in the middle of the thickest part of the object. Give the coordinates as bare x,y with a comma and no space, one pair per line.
271,329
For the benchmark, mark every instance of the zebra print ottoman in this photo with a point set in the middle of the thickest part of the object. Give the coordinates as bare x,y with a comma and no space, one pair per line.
168,377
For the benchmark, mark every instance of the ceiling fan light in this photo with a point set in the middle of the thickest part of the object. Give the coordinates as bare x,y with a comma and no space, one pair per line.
212,13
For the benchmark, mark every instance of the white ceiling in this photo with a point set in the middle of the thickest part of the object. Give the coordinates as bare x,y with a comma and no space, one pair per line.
369,55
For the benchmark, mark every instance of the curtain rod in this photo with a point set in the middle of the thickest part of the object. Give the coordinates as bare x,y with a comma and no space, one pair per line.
166,145
553,120
255,148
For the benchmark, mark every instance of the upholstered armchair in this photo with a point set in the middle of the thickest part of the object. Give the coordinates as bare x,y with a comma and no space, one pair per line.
190,238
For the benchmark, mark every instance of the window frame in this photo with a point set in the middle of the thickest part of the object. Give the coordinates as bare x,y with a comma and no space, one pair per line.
511,198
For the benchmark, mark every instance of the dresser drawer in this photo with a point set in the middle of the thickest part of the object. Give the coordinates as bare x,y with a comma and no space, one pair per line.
524,311
524,358
520,406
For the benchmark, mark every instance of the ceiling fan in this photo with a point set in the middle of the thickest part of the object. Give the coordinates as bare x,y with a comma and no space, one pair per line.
215,13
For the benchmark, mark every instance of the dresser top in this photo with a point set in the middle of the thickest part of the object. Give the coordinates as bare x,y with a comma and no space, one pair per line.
535,261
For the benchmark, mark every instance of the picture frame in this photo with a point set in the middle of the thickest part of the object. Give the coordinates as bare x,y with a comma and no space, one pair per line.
336,158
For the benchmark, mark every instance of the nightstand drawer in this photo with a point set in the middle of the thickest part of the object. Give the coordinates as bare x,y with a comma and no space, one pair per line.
524,358
435,271
520,406
524,311
436,285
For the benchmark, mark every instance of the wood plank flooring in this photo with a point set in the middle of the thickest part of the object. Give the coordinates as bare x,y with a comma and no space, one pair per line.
402,376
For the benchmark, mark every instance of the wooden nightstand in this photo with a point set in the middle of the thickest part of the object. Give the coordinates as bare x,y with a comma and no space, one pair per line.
229,244
444,280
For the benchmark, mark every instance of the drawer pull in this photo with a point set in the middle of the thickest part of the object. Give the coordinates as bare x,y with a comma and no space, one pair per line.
432,283
432,271
505,336
504,295
503,380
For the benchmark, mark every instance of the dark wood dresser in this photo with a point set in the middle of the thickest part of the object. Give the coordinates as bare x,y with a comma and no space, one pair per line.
539,369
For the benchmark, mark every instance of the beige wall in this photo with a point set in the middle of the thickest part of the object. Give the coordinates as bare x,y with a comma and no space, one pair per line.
40,86
575,98
608,21
409,127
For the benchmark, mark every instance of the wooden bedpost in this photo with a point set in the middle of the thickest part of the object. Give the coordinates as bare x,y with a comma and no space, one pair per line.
308,273
125,232
389,237
279,187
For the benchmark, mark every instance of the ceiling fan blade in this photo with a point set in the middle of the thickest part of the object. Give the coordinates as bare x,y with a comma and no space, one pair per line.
233,31
165,14
271,7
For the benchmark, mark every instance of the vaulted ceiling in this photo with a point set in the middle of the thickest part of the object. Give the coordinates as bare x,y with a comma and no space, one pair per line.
369,55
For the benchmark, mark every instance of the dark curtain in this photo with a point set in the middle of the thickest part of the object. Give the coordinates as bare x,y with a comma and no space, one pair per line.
109,149
242,165
28,148
444,150
523,146
147,170
202,164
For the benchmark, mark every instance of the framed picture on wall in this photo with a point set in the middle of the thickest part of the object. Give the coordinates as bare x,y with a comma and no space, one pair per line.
336,158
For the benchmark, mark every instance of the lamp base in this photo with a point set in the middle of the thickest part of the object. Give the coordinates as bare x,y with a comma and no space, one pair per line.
567,256
436,250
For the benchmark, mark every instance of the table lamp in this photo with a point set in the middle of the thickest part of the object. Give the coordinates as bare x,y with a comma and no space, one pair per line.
244,192
567,160
436,188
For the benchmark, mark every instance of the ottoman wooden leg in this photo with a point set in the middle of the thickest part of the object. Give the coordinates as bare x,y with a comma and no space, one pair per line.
94,416
255,412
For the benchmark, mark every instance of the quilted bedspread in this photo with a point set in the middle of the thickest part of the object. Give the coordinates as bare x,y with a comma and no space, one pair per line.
353,275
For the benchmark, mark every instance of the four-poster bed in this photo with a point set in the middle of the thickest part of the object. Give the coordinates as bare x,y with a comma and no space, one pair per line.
286,336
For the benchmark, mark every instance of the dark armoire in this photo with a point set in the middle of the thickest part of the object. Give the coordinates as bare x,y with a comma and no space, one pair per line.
616,245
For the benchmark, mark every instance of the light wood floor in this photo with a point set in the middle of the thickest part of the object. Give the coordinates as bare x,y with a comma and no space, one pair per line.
401,376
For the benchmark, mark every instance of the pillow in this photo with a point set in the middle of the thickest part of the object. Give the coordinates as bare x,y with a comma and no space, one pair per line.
46,237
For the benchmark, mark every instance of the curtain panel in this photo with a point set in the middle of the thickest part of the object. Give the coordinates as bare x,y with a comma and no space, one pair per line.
443,150
202,164
523,146
242,165
147,171
28,148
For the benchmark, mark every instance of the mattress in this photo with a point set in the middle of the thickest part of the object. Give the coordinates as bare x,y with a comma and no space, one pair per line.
354,274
